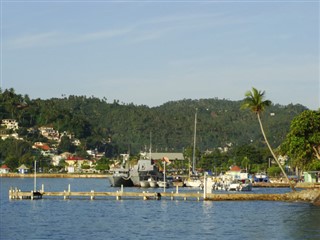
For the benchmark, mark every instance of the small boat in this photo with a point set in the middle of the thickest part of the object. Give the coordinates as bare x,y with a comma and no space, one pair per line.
246,185
193,181
261,177
234,186
177,181
152,183
163,184
240,185
145,184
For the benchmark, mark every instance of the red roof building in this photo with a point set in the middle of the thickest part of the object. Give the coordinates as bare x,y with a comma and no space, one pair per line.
4,169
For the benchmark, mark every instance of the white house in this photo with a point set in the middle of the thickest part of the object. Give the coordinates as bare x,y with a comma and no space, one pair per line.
23,169
10,124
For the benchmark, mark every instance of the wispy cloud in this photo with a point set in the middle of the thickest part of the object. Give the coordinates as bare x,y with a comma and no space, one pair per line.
55,38
140,31
32,40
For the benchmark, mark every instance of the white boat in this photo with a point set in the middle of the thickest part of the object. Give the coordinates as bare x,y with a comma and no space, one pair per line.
240,185
234,186
144,184
193,182
261,177
152,183
163,184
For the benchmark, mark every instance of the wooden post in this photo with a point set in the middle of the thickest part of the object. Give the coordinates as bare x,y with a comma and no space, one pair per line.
10,193
118,197
92,195
204,186
144,196
177,189
172,198
42,188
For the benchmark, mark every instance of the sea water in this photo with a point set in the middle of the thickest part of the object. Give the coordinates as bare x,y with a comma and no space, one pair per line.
107,218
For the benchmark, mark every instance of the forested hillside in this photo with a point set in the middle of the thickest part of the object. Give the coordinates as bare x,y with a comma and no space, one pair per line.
127,127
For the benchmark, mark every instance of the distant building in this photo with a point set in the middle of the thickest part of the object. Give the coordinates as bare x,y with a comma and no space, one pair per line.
10,124
23,169
4,169
74,163
49,133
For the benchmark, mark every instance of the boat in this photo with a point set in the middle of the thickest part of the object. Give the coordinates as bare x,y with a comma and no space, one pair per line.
261,177
240,185
153,183
177,182
163,184
120,176
144,184
246,185
194,179
143,170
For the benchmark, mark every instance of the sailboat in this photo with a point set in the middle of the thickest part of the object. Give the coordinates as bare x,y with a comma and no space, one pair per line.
193,179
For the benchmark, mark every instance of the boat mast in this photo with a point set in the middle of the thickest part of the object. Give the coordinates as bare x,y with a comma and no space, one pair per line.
194,142
150,146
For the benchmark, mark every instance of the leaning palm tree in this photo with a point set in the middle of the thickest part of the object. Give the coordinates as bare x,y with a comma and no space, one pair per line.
254,100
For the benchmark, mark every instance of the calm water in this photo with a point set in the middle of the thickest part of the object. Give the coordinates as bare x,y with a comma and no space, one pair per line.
55,218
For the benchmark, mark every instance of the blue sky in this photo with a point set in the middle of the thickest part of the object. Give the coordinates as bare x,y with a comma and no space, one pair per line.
158,51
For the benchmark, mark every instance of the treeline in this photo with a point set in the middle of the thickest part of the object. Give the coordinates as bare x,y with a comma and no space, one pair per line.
95,122
117,128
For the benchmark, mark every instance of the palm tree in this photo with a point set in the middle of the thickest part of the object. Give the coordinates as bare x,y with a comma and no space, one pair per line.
254,100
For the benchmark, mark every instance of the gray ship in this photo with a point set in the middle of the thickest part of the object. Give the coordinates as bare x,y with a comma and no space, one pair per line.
142,171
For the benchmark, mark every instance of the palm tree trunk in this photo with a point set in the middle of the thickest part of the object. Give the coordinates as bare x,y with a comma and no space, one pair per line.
274,156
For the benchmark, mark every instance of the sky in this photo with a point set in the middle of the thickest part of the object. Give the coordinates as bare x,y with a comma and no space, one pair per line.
152,52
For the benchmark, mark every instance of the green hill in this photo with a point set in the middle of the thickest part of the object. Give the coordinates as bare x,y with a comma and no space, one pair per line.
127,126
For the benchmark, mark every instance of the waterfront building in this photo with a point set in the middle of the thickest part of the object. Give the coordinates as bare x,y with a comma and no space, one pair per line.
23,169
4,169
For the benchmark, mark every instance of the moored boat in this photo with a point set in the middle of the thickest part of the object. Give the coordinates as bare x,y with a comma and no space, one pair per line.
177,181
143,170
193,181
152,183
261,177
144,184
120,176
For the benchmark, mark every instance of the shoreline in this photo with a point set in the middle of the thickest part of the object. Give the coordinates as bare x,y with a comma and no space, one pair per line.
54,175
94,175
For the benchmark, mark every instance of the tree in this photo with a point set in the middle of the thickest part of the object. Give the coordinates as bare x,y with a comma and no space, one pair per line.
255,101
302,143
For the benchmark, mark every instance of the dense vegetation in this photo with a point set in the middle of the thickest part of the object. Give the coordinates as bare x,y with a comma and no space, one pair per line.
117,128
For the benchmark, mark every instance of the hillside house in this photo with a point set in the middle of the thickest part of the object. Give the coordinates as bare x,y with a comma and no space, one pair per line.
10,124
74,163
49,133
4,169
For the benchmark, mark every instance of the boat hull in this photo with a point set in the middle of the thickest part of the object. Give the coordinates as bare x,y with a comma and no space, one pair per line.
144,184
193,183
118,181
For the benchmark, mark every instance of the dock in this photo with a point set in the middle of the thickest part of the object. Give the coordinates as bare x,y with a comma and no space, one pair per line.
308,196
